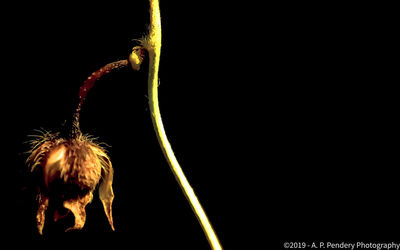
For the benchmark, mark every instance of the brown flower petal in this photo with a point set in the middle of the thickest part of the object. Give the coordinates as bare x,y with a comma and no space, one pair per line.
107,196
77,207
41,212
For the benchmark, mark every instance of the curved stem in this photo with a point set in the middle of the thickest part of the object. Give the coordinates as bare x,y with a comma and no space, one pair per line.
87,85
153,45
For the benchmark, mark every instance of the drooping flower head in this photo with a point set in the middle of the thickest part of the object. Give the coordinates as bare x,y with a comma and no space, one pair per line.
70,168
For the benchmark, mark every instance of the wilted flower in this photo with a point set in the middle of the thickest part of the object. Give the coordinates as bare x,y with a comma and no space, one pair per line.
69,171
70,168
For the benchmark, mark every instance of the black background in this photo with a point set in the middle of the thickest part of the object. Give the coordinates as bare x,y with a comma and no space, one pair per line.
264,106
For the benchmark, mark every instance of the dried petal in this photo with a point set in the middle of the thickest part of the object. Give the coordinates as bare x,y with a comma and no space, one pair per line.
107,196
41,212
77,207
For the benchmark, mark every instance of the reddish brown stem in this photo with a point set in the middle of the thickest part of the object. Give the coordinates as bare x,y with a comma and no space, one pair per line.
88,84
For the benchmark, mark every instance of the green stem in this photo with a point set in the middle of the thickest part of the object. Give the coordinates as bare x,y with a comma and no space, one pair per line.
152,43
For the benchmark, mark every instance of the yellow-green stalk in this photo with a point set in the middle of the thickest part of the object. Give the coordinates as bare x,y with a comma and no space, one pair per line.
152,43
